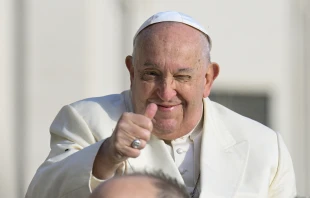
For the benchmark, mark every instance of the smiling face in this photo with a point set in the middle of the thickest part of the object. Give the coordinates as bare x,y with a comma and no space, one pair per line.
171,68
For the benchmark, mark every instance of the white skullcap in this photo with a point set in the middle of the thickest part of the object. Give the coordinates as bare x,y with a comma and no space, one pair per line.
172,16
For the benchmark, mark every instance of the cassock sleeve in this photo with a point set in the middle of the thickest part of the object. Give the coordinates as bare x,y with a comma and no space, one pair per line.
67,171
283,184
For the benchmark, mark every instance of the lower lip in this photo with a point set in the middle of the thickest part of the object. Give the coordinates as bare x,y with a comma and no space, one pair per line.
162,108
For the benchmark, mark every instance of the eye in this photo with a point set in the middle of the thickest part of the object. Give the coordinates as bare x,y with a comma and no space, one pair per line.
149,75
183,78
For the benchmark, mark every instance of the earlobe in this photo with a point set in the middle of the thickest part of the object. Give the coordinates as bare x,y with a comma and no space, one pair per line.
212,73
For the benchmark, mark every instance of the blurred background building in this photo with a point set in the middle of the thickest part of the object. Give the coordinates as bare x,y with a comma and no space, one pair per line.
56,52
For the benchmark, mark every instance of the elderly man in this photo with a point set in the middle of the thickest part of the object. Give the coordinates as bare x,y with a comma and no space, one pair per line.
165,122
141,185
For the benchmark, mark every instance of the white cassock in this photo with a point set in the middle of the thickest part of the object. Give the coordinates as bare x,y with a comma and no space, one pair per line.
237,158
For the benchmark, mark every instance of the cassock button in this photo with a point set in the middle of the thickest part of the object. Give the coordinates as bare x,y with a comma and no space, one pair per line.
180,151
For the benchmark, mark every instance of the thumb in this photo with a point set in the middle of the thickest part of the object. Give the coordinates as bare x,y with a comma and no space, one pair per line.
150,110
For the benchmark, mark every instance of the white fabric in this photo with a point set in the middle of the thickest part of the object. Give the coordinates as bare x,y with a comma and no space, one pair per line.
185,152
171,16
239,157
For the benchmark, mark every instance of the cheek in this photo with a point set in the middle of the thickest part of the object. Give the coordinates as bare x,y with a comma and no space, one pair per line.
142,89
192,94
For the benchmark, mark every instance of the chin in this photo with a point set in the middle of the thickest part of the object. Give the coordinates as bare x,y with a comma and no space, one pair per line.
165,133
161,131
165,126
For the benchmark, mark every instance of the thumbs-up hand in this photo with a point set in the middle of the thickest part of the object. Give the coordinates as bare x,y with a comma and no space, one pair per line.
118,147
130,127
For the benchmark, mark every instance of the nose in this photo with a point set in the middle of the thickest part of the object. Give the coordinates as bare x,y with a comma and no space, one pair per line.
166,89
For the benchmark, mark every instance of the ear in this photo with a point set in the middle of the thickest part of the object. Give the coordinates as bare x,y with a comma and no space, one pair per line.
212,72
130,67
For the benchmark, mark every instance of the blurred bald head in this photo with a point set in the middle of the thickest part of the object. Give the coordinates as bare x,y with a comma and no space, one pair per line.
140,185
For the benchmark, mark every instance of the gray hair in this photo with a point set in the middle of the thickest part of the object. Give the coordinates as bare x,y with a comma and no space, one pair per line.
167,187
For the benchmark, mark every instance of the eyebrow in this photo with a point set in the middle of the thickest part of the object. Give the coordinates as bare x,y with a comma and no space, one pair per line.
152,65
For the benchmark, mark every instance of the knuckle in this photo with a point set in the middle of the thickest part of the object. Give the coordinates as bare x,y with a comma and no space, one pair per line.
142,146
117,138
125,115
146,135
117,146
135,154
121,124
122,127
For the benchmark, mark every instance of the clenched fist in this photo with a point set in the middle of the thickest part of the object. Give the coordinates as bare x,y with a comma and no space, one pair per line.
117,148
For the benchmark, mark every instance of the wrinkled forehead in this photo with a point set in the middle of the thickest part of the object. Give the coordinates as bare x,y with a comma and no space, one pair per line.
170,41
169,33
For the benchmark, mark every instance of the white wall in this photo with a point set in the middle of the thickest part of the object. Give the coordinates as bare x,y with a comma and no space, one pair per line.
57,52
56,72
299,115
7,149
306,17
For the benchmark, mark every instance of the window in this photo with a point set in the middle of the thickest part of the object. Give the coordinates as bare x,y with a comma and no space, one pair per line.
254,106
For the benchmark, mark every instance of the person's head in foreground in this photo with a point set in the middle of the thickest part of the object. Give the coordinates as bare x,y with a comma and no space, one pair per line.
140,185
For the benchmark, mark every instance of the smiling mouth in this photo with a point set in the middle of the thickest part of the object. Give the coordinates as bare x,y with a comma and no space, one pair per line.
166,107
